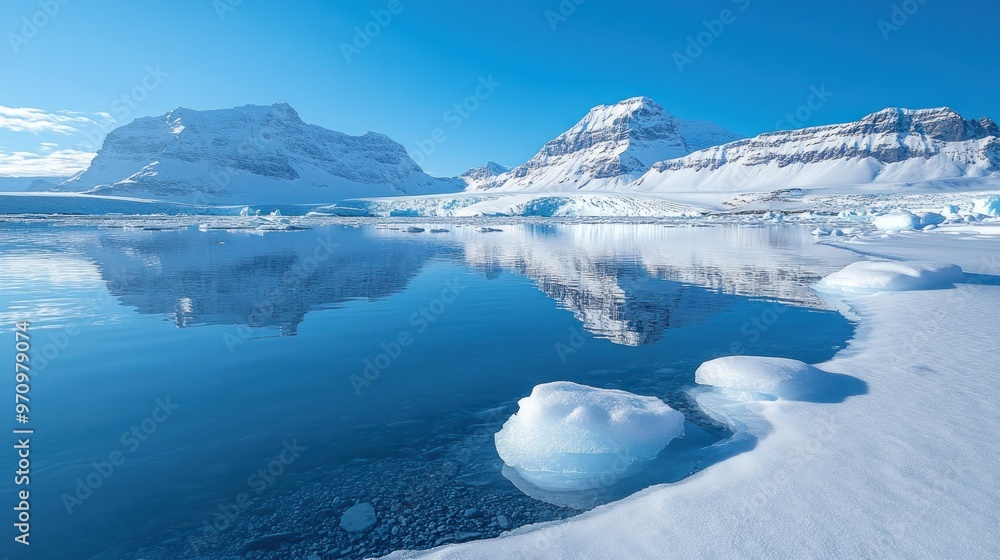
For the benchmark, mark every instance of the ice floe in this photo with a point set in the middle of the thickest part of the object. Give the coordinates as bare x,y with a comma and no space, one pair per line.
567,436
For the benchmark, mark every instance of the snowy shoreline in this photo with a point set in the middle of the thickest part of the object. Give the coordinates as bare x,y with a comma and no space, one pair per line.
903,471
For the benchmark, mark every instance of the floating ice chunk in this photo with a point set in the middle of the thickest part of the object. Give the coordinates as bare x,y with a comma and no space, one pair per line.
567,436
878,276
413,229
897,220
748,377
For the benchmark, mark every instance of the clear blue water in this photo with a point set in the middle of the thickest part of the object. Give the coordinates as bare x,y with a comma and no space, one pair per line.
262,342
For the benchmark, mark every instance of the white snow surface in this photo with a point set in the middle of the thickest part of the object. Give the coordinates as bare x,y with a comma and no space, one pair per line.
906,470
567,436
882,276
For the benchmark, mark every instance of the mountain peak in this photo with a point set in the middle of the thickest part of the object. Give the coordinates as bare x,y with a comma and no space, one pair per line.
611,145
282,109
634,103
286,109
484,172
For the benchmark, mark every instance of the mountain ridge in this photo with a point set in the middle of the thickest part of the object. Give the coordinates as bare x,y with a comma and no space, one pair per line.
252,153
610,146
891,145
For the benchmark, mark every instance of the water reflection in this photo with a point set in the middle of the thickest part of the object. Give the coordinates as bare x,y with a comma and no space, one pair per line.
625,283
201,278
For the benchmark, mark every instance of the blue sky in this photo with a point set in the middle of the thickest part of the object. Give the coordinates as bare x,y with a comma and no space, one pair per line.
548,61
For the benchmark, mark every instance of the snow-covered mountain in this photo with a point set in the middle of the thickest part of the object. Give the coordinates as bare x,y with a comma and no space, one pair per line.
611,146
250,154
483,173
890,146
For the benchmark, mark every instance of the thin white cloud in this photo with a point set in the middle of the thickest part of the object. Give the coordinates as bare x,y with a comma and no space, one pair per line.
58,163
36,121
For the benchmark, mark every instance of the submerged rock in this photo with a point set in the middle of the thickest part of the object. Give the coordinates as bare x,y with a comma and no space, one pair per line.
269,542
358,518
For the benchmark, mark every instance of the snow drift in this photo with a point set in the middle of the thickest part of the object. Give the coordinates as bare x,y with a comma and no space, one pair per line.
889,276
748,376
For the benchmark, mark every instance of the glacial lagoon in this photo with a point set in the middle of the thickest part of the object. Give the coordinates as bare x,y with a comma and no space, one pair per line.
226,393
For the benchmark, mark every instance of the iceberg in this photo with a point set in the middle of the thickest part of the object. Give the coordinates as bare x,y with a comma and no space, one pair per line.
570,437
899,220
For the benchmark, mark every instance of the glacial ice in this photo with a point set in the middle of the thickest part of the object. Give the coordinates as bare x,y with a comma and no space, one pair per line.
567,437
749,377
989,206
891,276
899,220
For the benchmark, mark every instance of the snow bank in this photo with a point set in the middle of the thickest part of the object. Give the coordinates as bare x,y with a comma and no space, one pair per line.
567,436
879,276
778,377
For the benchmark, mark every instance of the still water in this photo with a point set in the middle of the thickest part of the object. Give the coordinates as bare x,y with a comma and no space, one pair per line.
227,394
